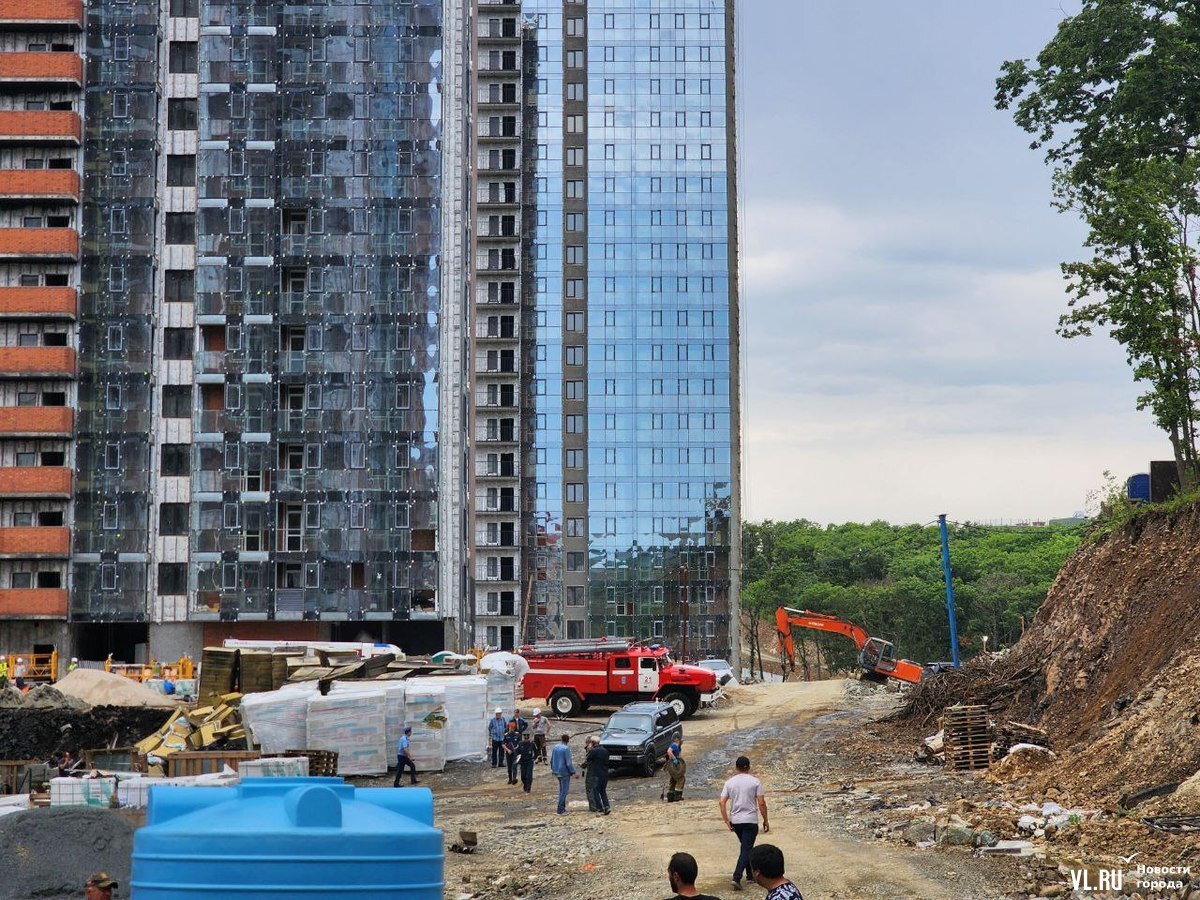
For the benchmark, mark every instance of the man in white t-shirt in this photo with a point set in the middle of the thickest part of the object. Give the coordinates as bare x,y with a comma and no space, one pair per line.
742,801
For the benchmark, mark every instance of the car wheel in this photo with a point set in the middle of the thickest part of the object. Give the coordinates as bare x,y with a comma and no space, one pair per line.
681,701
565,704
646,766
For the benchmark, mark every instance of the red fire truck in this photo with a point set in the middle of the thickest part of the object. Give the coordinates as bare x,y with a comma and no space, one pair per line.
573,675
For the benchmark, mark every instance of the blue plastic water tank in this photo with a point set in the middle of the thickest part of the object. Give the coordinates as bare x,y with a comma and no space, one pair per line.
1137,487
275,838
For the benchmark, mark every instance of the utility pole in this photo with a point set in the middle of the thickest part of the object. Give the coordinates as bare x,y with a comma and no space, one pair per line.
949,591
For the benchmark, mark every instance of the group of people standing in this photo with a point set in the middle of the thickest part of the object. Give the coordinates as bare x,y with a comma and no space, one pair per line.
518,744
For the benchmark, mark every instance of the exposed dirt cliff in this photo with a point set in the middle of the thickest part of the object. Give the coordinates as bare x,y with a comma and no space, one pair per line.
1111,663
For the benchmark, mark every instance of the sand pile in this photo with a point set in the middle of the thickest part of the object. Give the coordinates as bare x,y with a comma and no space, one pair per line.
99,688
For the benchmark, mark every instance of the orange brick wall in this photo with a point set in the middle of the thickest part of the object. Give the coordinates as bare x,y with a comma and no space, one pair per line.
34,66
58,360
41,10
40,124
39,242
33,603
37,182
36,420
49,541
37,301
25,480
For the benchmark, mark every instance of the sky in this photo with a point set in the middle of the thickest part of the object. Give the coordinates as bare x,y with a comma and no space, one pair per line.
901,284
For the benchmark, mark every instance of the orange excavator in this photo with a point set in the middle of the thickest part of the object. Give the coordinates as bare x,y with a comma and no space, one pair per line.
876,656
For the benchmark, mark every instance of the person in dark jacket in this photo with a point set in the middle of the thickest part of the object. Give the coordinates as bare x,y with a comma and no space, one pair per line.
527,755
512,740
597,766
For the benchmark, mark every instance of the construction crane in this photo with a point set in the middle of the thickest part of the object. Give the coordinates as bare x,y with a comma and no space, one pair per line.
876,656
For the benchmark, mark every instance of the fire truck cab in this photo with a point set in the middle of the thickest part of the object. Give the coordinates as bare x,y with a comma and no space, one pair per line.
573,675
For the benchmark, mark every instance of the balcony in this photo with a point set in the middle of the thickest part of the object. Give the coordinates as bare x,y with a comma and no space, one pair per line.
33,603
23,543
30,186
30,71
39,244
46,128
35,481
41,15
37,362
37,303
36,421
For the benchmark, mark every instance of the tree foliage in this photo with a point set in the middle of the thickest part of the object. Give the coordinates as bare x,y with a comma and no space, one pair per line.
889,580
1114,101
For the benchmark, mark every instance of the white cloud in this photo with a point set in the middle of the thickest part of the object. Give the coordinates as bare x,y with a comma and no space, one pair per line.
888,388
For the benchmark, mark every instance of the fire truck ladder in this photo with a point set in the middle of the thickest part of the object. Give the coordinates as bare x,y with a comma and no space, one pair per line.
600,645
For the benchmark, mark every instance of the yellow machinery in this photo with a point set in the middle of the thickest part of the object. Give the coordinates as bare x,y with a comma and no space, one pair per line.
41,667
181,668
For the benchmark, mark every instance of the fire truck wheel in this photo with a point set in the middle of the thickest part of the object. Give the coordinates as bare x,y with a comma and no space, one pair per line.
565,704
681,702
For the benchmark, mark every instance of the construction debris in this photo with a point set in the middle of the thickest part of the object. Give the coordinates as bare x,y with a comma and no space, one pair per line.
218,726
1012,734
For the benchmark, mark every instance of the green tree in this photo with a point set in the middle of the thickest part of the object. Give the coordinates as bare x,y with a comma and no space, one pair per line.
1114,100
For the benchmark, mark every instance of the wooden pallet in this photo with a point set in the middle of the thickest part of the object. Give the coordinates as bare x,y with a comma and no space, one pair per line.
321,763
967,737
10,773
204,762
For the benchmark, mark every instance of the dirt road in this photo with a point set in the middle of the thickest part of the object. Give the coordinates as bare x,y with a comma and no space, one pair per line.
790,732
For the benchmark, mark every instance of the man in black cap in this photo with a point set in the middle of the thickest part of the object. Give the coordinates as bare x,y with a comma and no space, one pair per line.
99,887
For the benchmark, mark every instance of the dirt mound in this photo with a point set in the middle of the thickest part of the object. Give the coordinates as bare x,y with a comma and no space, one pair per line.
1020,763
1108,665
99,688
40,733
49,853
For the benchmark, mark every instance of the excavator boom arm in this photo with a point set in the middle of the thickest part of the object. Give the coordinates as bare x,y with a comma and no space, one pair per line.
786,619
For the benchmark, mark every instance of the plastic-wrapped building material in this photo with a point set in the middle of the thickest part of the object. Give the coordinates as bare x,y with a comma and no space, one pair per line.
393,708
425,712
278,720
466,714
82,791
501,692
353,724
274,767
135,792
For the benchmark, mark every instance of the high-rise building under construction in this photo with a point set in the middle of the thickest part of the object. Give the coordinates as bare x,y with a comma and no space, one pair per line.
410,319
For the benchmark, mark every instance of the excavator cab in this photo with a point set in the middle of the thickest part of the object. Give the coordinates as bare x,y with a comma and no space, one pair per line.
878,658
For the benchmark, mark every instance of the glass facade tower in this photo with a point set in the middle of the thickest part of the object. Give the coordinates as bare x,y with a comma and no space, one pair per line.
632,450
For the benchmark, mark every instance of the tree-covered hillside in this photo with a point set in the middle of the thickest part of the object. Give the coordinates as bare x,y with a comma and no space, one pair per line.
889,580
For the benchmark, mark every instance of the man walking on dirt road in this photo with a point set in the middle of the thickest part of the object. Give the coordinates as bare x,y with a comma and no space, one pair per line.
681,872
564,770
741,802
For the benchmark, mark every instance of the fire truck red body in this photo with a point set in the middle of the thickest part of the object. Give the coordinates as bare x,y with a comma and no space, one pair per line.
573,675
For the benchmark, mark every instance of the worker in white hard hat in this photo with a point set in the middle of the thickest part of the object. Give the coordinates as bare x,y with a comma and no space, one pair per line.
74,664
541,730
496,729
19,671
